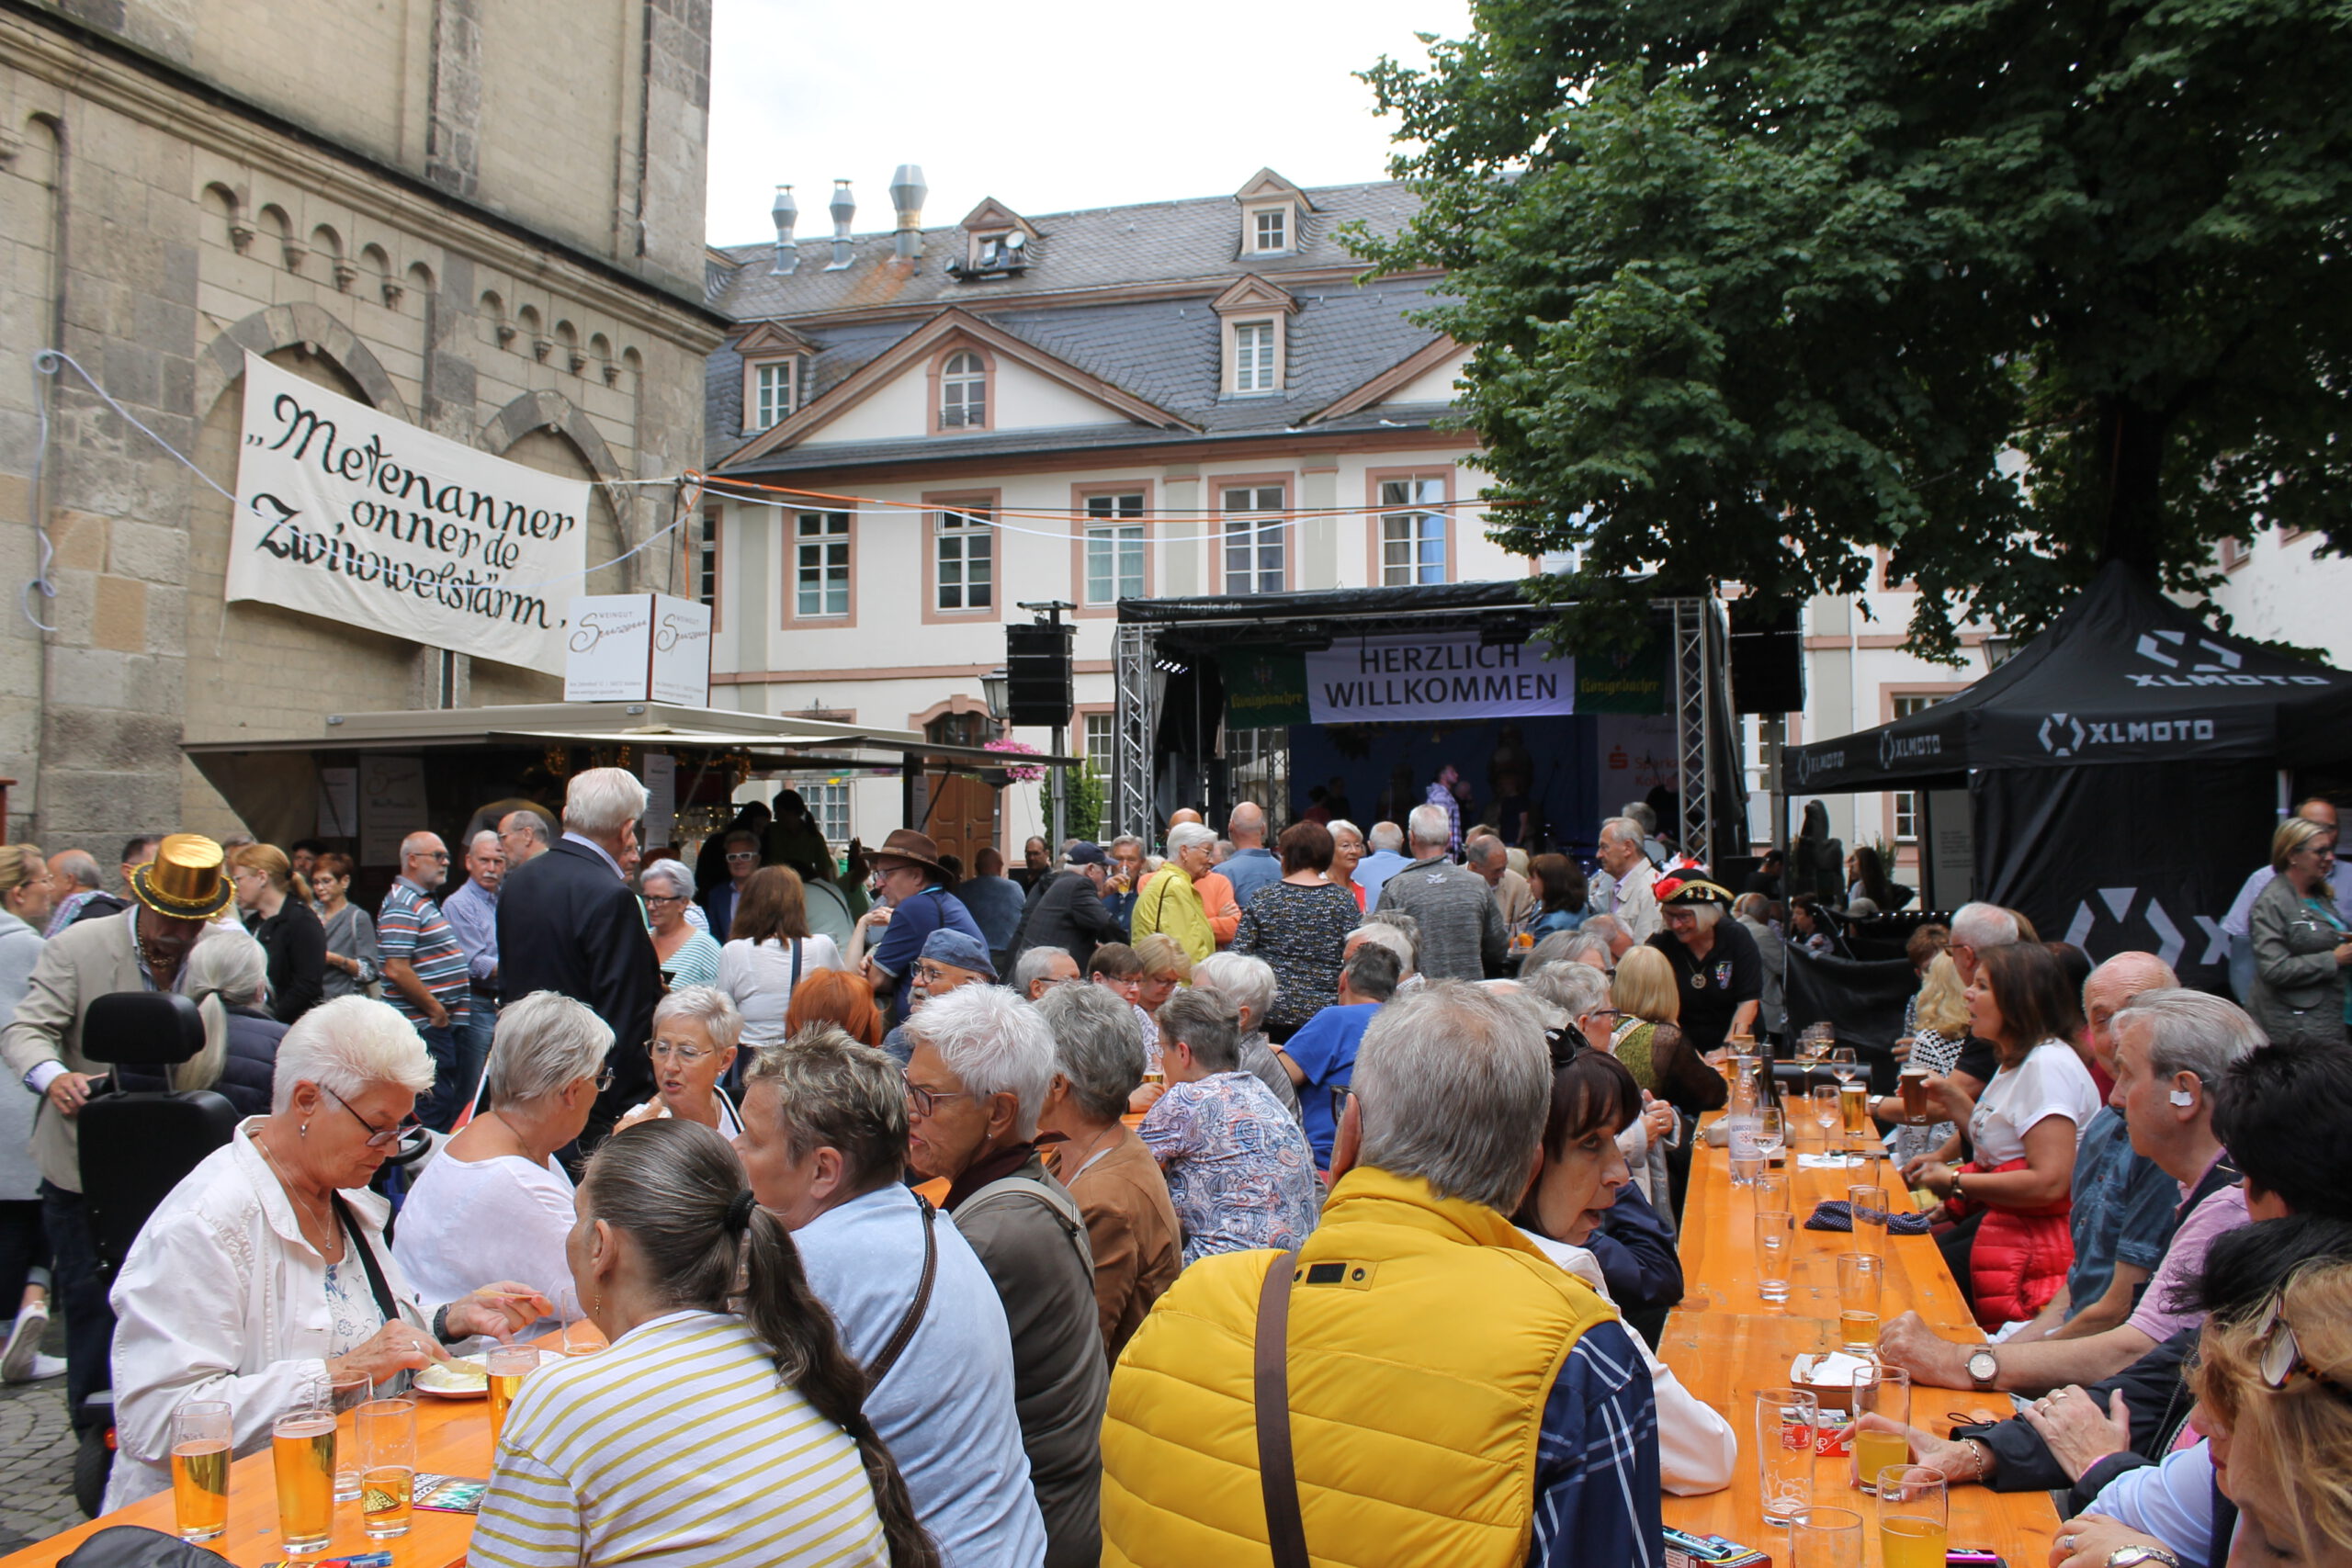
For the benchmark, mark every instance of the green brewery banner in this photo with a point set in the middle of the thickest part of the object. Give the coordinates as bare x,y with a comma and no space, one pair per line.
1264,689
1627,681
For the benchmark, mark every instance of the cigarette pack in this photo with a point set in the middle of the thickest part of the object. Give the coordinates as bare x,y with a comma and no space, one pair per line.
1684,1550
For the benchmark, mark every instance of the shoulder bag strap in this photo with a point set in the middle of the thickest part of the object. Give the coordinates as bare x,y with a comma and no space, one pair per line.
385,1301
795,964
921,1303
1285,1531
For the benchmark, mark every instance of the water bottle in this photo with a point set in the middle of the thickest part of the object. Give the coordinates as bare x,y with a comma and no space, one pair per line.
1740,1127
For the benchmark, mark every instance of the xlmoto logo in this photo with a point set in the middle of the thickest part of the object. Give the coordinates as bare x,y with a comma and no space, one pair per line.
2063,735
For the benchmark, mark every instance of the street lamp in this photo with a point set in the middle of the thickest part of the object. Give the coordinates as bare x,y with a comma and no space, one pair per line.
993,686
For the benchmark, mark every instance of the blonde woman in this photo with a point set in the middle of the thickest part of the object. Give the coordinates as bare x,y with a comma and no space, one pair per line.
2300,947
24,1250
1940,1027
1647,1037
276,905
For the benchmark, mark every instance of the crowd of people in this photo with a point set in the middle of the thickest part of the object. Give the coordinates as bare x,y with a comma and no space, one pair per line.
980,1196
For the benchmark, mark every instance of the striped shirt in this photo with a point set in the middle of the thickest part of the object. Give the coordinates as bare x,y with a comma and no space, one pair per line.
635,1456
411,925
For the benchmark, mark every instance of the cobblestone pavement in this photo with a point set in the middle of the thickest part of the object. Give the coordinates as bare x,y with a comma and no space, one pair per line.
36,1458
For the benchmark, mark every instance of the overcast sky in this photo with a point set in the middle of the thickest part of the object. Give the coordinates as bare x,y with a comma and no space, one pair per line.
1050,106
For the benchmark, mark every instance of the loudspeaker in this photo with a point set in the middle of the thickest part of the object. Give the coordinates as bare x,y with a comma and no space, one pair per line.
1037,688
1767,657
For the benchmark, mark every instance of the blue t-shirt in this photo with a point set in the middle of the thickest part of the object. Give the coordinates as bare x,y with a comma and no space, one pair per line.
1325,1050
1248,870
910,926
2123,1212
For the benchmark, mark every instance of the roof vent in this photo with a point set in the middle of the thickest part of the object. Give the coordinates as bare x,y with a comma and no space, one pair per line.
786,212
843,208
907,191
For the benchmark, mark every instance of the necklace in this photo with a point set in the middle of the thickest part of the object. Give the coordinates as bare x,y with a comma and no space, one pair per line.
1094,1149
306,1215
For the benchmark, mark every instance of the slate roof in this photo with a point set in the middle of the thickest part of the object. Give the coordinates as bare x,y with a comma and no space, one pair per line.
1164,350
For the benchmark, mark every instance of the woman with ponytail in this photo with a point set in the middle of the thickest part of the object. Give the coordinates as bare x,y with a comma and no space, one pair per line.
227,977
276,905
608,1459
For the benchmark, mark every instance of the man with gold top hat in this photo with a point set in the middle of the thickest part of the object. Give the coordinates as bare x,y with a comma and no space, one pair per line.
179,891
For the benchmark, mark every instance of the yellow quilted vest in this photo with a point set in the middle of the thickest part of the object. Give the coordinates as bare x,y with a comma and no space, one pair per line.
1419,1368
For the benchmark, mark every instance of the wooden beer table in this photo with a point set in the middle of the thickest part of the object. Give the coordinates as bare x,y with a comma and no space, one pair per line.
452,1439
1725,1342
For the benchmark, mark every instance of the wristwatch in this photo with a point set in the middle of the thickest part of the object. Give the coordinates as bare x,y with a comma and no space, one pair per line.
2130,1556
1983,1369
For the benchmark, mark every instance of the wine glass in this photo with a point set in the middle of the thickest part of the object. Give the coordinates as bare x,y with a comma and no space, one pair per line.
1843,1063
1826,1114
1770,1136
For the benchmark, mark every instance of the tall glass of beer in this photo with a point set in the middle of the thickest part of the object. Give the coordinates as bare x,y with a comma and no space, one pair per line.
1854,1110
1915,1095
200,1469
508,1365
302,1448
387,1430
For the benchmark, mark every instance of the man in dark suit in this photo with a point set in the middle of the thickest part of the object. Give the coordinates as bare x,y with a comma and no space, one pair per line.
568,922
1065,910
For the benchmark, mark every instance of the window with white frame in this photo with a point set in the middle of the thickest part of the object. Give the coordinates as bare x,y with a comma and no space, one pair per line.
771,390
821,564
1102,743
706,560
1412,531
1253,357
1269,230
828,802
1254,555
964,560
963,394
1113,548
1907,802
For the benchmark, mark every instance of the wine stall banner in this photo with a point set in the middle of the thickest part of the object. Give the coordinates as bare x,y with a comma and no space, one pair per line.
346,513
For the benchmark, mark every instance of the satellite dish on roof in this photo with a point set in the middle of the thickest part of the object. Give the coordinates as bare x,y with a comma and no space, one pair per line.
1016,240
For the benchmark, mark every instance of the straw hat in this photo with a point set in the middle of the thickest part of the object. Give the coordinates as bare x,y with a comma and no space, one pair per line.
186,880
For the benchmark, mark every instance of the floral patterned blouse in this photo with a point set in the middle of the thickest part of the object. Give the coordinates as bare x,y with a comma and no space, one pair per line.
1303,932
1239,1168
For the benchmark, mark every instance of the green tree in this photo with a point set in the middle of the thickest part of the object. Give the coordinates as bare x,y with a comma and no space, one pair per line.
2006,290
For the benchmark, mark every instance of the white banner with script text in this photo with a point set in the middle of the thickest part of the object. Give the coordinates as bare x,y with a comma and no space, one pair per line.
345,511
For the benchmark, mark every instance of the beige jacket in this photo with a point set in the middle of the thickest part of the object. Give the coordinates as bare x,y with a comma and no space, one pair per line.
86,960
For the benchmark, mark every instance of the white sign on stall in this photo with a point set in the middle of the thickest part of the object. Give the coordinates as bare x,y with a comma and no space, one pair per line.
636,648
345,511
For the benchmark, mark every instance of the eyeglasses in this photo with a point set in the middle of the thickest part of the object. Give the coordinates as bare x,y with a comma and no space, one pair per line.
441,855
604,1080
684,1055
742,854
378,1137
666,898
925,1101
2281,1361
1341,1094
932,974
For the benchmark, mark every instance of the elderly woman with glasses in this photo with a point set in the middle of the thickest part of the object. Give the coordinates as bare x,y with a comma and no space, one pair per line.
495,1202
689,954
264,1278
695,1032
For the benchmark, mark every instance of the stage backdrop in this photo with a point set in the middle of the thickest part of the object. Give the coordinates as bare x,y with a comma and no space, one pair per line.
347,512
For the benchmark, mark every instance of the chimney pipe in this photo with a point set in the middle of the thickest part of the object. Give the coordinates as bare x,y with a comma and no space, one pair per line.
786,212
907,191
843,208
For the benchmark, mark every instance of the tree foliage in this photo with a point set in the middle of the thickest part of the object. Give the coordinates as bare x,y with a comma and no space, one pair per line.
2004,288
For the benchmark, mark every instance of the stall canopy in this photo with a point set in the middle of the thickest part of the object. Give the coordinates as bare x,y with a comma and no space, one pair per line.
2120,770
2123,676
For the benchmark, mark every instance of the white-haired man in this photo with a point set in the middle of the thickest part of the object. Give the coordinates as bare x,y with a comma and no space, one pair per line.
1416,1321
982,1061
1631,898
568,922
1386,859
1461,928
472,911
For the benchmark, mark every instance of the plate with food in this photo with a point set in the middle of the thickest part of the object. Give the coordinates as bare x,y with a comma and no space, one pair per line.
462,1377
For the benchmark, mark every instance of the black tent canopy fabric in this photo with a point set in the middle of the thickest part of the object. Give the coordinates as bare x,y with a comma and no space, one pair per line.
2124,676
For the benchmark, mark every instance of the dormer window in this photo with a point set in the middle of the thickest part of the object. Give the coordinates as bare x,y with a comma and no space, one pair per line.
1255,317
998,243
1275,216
1002,253
1253,357
771,390
1270,231
775,376
962,392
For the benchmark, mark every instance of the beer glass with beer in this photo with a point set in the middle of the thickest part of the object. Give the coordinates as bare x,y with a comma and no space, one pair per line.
1913,1516
387,1458
301,1445
1861,1279
1854,1113
507,1365
1884,1392
200,1469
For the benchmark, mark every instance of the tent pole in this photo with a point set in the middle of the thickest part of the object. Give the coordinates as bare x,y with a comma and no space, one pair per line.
2285,793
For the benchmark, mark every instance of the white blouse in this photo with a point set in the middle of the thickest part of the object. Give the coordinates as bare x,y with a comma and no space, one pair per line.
758,977
2050,1081
467,1223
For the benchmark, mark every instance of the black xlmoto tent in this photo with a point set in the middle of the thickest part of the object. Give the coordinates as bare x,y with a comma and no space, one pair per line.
2122,770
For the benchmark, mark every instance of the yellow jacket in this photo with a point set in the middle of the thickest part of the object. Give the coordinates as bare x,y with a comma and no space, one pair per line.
1170,903
1419,1371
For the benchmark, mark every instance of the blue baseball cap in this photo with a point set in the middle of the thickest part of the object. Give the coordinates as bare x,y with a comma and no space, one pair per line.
960,949
1084,854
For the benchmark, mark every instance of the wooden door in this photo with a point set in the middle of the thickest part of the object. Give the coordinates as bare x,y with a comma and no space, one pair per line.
962,815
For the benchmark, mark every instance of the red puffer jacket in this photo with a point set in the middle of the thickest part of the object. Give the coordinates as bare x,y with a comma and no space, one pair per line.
2019,1258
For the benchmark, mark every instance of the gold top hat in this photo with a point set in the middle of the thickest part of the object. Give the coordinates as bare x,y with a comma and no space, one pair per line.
186,880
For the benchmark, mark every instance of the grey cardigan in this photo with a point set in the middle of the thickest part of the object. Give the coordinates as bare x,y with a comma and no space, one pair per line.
19,1176
2298,985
